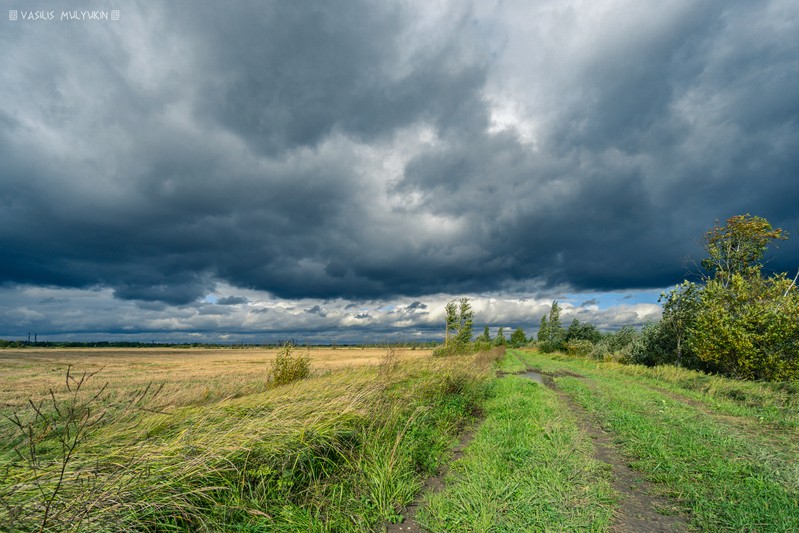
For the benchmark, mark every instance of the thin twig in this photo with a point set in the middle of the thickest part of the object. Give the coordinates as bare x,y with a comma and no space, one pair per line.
791,285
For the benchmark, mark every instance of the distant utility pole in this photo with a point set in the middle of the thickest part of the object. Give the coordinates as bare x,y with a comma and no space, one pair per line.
35,338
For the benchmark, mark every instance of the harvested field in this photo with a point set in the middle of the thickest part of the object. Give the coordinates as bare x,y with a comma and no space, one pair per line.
190,375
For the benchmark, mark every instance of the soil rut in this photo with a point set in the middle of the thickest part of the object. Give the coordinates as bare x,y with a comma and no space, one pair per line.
637,508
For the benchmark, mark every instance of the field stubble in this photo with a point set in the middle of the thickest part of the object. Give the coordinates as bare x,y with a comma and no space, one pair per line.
190,376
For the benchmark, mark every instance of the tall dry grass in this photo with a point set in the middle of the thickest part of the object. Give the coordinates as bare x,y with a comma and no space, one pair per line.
342,449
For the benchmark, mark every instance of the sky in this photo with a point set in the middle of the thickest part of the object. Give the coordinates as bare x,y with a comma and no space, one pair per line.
335,172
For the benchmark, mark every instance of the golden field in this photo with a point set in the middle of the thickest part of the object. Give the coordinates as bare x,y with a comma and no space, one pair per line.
189,375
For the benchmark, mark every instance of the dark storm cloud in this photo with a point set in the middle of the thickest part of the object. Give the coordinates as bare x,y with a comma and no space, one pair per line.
363,150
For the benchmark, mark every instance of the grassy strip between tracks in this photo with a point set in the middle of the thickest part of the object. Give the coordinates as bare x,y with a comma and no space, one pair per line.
529,468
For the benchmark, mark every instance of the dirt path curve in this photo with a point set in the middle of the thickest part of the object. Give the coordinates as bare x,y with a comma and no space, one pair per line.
636,512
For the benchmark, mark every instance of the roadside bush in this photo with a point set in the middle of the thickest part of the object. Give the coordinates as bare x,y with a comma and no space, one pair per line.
619,346
600,351
579,347
288,367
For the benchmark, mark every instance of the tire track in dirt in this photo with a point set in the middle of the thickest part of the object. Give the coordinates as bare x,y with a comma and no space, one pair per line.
638,505
431,486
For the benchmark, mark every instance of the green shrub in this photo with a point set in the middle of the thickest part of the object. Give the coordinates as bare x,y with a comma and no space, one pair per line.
579,347
288,366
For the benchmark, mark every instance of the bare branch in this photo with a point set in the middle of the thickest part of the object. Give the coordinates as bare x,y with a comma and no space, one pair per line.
791,286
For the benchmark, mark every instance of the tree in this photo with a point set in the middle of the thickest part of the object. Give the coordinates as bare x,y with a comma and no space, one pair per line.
486,336
556,332
458,332
465,315
452,321
738,247
745,325
518,338
543,330
500,338
680,308
749,328
582,331
553,334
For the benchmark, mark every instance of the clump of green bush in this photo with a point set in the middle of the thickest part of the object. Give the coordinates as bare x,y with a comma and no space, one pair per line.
289,366
579,347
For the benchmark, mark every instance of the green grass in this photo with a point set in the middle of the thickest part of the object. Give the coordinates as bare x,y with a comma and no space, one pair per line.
728,476
529,468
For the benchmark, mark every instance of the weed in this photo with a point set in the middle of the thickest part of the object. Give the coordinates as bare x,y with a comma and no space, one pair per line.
46,440
288,366
389,363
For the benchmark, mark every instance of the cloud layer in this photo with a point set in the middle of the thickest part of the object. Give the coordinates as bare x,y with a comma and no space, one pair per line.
367,151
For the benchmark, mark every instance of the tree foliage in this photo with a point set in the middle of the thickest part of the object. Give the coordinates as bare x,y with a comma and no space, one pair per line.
486,336
582,331
740,322
458,323
551,335
749,327
543,330
500,338
518,338
680,307
465,319
738,247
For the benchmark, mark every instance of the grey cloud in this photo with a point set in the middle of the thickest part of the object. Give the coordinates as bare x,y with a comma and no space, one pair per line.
232,300
316,310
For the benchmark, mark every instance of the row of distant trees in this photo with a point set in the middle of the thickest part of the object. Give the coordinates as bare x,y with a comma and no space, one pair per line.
736,320
552,336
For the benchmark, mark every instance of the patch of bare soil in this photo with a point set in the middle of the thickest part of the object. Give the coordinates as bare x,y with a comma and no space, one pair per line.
638,506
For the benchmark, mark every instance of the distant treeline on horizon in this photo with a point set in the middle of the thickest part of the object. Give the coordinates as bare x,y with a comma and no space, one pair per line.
130,344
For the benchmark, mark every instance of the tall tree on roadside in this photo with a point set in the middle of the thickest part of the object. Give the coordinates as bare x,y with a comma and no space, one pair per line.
543,330
556,332
465,316
738,247
680,307
452,321
500,338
